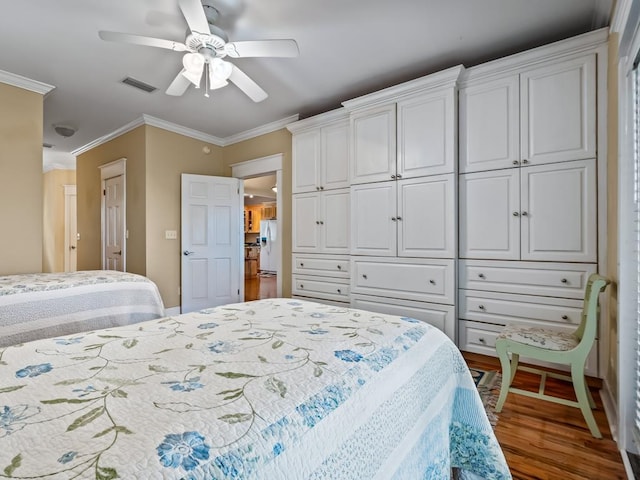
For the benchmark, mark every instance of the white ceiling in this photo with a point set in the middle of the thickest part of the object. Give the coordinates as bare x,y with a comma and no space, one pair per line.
347,48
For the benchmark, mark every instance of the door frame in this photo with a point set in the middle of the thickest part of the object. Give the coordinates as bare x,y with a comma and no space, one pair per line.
69,191
259,167
109,170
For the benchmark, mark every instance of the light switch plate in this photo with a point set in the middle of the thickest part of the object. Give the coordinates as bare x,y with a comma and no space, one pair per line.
170,234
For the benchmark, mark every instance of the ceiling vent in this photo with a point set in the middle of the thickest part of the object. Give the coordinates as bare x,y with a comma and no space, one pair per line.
139,85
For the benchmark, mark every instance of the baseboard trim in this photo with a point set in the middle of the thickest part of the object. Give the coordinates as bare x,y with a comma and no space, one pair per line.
627,465
172,311
610,409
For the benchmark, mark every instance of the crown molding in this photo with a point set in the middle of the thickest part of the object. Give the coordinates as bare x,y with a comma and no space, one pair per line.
179,129
320,120
620,15
109,136
261,130
442,79
26,83
585,43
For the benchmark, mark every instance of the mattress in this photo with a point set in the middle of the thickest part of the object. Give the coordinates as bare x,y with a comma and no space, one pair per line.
271,389
42,305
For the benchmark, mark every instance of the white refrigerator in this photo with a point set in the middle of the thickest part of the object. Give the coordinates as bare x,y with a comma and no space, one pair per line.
269,249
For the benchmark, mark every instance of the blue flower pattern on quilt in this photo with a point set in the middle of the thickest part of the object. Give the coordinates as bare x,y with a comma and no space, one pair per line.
34,370
186,450
348,355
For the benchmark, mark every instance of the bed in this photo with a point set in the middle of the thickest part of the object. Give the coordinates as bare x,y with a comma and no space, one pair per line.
271,389
43,305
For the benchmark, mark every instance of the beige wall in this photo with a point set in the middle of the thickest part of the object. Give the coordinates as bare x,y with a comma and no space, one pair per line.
131,146
262,146
612,213
167,156
54,217
20,180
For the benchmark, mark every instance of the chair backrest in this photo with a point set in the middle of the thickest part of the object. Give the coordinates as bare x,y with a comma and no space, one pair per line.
586,332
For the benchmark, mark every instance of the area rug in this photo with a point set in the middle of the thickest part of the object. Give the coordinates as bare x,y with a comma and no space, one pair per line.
488,384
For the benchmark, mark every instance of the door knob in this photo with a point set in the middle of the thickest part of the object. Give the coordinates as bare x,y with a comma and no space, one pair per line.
187,253
72,247
119,252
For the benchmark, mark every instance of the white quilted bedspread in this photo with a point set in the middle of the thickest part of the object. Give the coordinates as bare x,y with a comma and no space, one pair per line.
273,389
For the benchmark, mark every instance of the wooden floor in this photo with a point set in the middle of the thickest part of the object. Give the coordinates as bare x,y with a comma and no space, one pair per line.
258,287
543,440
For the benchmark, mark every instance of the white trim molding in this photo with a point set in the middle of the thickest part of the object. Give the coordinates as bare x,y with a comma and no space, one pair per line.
261,130
25,83
109,136
179,129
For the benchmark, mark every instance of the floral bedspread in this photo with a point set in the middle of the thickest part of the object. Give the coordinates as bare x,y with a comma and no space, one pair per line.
273,389
43,305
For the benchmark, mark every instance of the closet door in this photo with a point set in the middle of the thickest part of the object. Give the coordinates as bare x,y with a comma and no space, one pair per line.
306,218
334,229
373,219
489,125
559,212
306,162
490,215
334,167
558,111
373,134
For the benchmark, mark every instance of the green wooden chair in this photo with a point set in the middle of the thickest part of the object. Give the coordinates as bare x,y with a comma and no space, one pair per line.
557,346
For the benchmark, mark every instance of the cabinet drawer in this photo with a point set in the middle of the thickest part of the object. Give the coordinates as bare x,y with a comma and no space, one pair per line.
564,280
440,316
410,279
336,289
481,338
324,265
504,309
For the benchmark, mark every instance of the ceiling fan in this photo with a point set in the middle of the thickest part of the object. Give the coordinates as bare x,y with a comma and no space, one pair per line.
206,48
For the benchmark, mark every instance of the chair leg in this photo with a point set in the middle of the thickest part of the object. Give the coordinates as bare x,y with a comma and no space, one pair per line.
507,375
515,357
583,395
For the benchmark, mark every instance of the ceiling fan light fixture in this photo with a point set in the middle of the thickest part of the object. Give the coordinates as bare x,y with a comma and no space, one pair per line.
193,66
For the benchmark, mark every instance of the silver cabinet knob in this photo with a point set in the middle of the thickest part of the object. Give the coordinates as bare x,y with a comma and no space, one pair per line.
481,275
317,222
481,307
516,214
516,162
565,317
317,188
525,161
321,222
302,264
393,177
524,214
339,291
394,219
187,253
301,286
364,276
398,176
399,218
482,340
564,280
432,282
321,188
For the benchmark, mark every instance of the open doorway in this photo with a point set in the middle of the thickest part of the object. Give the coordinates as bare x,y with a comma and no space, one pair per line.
261,238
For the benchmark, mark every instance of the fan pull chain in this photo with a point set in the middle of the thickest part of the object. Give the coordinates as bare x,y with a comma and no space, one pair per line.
206,80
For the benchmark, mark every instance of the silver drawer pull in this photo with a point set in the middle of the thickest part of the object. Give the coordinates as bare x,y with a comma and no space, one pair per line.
339,267
302,264
565,317
481,307
301,286
481,275
432,282
564,280
516,214
339,291
482,340
364,276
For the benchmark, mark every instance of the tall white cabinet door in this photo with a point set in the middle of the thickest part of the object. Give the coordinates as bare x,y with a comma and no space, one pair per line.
426,135
489,125
427,217
490,215
306,161
558,111
559,212
373,144
306,222
334,167
334,227
373,219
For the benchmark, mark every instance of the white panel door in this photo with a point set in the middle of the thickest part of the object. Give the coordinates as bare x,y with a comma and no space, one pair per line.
373,219
334,167
558,111
490,215
559,212
426,135
306,222
427,217
374,144
489,125
306,161
114,215
334,226
212,241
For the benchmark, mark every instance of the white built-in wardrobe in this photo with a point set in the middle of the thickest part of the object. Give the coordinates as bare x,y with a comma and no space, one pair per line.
469,198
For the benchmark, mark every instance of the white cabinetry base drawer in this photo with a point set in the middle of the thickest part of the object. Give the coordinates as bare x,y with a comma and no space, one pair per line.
481,338
565,280
323,301
327,288
318,264
506,308
442,317
426,280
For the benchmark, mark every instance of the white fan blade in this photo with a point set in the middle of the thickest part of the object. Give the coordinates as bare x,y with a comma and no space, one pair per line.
194,15
179,85
141,40
262,48
248,86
